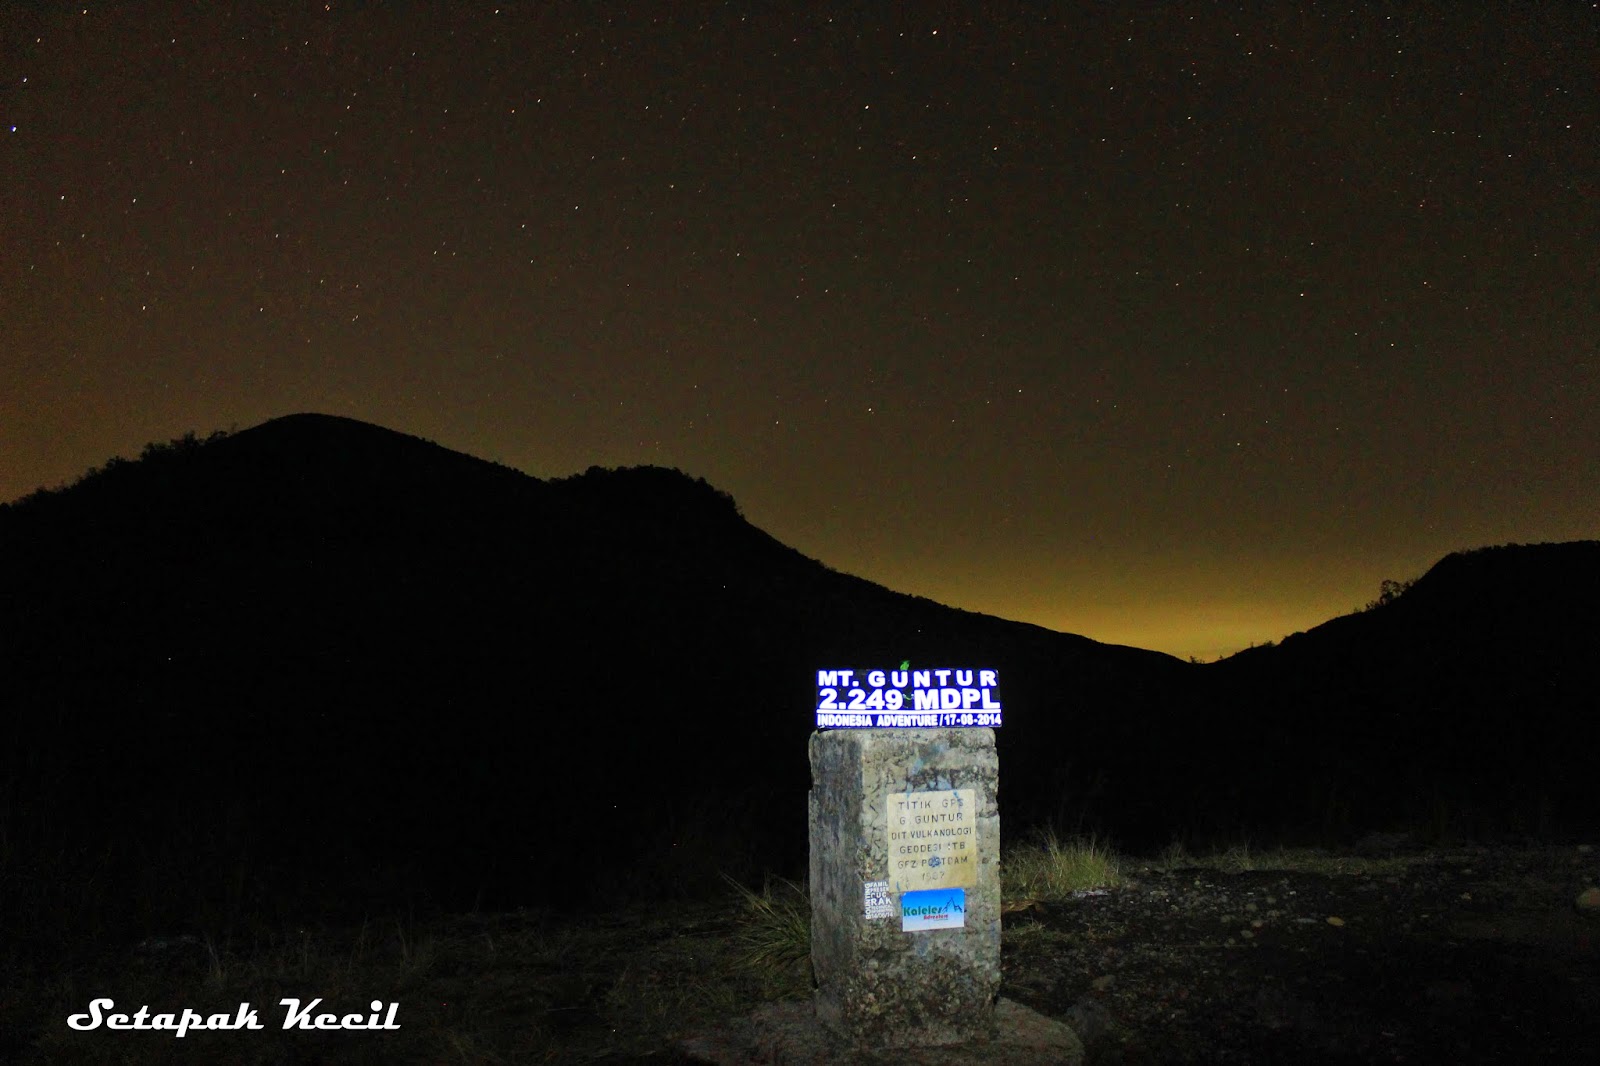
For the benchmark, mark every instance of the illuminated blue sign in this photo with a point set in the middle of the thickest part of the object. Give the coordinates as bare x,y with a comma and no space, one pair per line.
907,699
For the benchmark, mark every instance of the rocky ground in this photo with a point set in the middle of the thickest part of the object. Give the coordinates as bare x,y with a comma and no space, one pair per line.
1461,956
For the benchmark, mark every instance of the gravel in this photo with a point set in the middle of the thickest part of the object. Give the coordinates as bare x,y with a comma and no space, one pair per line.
1462,956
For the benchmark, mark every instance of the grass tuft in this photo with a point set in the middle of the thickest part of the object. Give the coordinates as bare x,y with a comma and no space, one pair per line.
774,931
1053,869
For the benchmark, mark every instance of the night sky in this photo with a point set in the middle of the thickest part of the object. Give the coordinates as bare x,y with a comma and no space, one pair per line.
1168,325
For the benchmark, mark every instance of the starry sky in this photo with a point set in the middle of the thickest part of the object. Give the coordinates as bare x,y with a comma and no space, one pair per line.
1171,325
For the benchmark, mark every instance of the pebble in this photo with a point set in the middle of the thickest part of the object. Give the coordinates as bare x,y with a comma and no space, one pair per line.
1589,900
1090,1020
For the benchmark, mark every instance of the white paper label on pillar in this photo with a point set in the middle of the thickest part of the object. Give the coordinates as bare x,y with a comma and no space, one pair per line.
878,902
933,908
933,839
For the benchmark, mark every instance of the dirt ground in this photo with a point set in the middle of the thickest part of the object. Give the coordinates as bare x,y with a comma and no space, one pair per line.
1467,956
1463,956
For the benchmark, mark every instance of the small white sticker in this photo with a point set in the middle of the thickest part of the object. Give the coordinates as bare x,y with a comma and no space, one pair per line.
878,903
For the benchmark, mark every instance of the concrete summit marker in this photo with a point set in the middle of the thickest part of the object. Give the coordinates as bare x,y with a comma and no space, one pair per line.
905,886
915,809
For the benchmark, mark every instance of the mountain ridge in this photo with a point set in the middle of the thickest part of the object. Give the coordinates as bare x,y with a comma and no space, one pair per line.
421,654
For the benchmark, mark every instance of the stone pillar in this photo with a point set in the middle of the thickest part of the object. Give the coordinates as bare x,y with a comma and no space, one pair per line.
935,792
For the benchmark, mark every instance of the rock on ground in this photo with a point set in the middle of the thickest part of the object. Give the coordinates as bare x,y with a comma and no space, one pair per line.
789,1033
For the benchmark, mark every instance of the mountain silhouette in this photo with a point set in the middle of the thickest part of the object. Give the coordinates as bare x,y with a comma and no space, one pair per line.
1466,701
323,661
318,644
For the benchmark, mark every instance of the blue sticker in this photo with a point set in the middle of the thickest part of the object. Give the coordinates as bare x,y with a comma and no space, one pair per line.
933,908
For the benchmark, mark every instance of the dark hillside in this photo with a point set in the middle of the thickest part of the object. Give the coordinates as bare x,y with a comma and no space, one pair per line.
1467,702
318,645
320,664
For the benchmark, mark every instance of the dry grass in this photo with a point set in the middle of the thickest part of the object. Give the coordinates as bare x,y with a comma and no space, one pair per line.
1051,868
774,924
